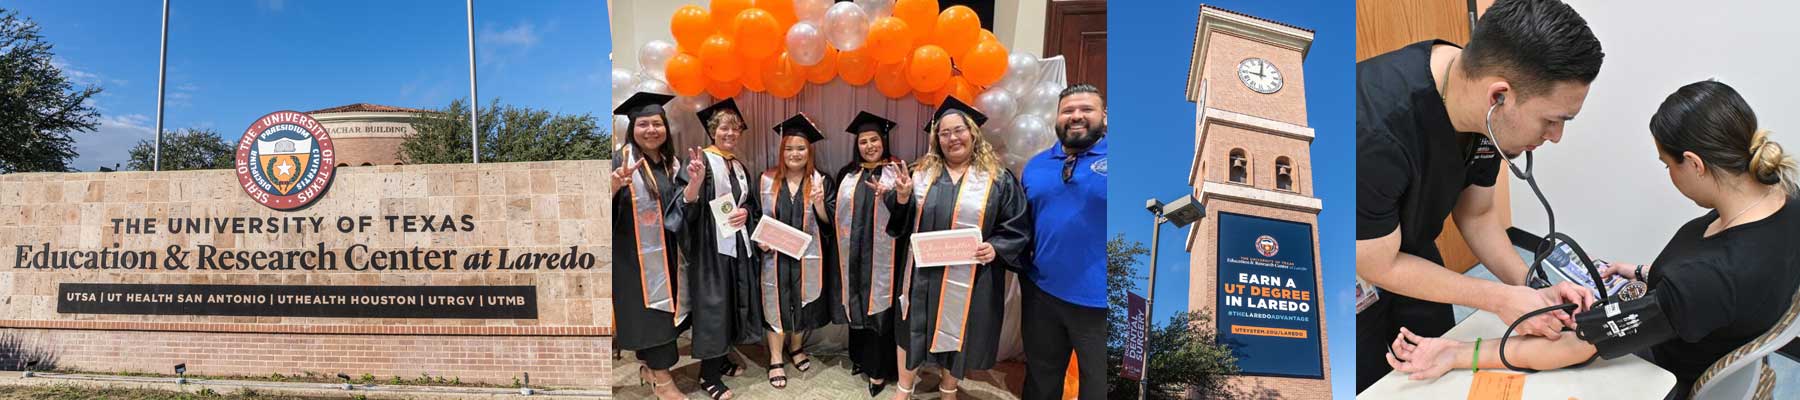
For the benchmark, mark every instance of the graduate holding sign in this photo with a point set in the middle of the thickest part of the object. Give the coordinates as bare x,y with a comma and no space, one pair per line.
953,313
867,253
724,271
794,290
649,297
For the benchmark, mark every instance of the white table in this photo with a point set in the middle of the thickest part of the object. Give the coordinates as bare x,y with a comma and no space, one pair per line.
1627,377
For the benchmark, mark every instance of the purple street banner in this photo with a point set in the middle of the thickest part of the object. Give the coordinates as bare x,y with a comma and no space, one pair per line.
1135,332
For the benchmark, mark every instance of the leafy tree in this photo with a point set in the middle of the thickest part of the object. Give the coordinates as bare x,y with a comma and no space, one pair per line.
39,105
185,149
1184,353
507,133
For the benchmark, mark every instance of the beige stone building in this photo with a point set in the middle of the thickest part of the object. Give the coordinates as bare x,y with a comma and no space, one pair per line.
367,134
1252,158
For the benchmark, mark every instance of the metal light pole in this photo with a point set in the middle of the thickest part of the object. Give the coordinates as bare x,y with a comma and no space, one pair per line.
1182,211
162,63
474,102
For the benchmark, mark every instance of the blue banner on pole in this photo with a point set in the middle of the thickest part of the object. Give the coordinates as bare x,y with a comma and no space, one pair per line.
1268,308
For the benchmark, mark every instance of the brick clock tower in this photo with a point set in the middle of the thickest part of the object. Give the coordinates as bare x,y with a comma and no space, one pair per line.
1255,255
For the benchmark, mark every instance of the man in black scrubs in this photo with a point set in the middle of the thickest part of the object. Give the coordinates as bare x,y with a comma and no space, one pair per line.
1427,118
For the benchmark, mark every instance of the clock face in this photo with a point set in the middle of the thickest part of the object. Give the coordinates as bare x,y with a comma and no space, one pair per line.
1259,75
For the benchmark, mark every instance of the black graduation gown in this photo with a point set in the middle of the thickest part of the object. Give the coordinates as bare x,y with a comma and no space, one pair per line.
860,241
725,292
640,327
1006,226
794,316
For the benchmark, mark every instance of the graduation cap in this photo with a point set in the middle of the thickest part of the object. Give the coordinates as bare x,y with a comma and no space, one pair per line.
865,122
800,125
643,104
951,104
706,114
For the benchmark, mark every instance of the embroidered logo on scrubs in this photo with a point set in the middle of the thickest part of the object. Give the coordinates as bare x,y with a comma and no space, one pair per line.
1267,246
1099,167
1484,149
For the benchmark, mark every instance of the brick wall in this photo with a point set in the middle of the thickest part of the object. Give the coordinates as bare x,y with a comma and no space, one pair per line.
540,207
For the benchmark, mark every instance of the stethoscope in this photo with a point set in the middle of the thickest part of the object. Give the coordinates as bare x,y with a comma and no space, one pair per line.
1535,276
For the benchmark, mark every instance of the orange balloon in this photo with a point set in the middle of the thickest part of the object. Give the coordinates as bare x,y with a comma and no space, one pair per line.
826,69
783,10
724,12
890,80
783,76
964,90
888,40
958,29
920,15
757,34
929,69
984,64
856,67
987,35
691,25
935,96
723,89
753,77
684,75
720,62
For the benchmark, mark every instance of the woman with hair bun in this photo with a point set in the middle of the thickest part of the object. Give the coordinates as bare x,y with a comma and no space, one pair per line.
1723,280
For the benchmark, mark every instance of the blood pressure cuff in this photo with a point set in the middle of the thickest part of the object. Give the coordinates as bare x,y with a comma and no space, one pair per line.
1622,326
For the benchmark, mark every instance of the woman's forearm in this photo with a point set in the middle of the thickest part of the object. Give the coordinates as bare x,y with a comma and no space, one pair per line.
1527,352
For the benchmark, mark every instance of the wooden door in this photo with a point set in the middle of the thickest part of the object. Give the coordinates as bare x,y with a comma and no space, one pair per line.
1076,30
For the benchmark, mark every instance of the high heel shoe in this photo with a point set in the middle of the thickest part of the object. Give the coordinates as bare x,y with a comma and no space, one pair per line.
876,388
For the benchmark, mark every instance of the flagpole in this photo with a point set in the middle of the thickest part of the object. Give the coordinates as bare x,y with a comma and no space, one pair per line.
474,102
162,63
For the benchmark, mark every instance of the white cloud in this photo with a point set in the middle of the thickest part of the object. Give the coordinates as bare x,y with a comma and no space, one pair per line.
111,142
499,47
272,5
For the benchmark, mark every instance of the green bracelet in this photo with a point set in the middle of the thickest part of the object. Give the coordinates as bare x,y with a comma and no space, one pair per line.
1475,362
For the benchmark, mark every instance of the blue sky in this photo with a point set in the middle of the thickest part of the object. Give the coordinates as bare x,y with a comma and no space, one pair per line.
1149,45
232,61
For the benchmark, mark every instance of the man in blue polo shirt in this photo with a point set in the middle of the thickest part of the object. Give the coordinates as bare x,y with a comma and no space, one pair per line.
1064,298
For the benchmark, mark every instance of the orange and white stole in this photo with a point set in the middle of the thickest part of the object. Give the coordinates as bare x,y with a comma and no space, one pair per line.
881,256
647,229
958,284
811,266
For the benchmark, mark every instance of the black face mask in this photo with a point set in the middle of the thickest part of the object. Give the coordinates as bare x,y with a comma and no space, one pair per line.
1094,133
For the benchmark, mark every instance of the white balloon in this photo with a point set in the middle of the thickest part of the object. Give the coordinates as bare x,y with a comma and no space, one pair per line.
623,81
1043,97
1032,134
811,10
654,86
1021,67
690,104
998,104
847,26
877,8
654,56
805,45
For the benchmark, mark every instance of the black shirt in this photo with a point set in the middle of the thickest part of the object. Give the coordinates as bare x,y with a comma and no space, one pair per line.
1411,163
1721,292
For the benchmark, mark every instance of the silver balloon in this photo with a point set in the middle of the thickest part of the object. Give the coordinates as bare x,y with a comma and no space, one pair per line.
847,26
1031,133
689,104
654,86
998,104
1043,97
1021,68
623,81
805,45
812,10
654,56
877,8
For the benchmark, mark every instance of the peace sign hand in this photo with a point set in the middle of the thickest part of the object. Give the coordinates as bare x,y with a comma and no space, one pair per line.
696,172
903,183
621,177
